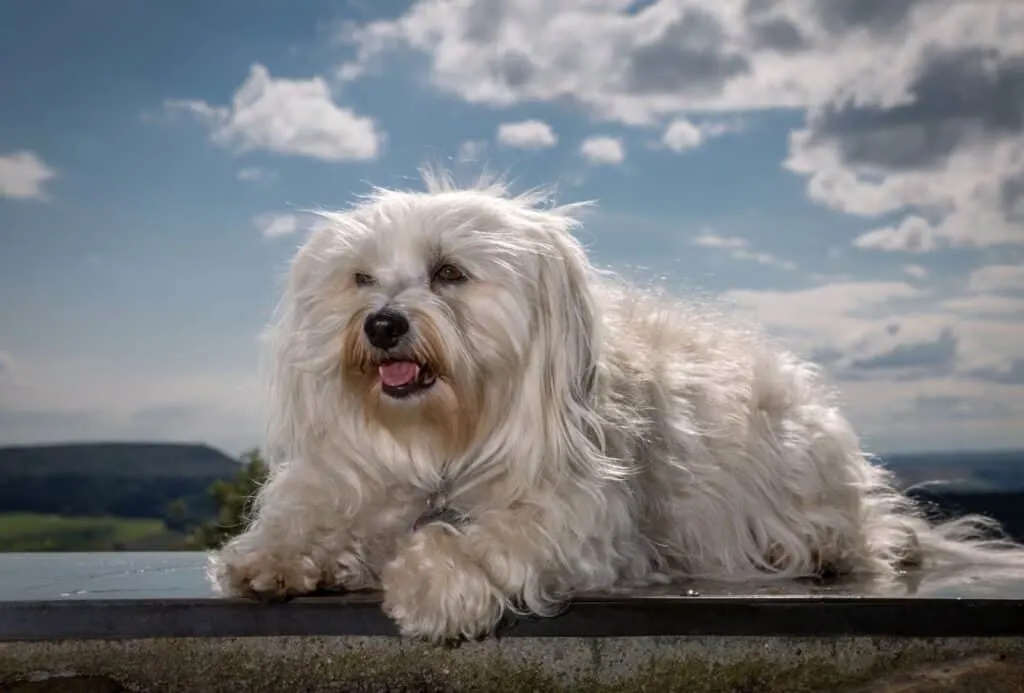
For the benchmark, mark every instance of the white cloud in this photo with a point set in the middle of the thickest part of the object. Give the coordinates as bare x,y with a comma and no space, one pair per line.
913,105
912,234
884,330
23,176
935,136
527,134
255,174
893,348
985,305
470,151
619,63
603,150
997,278
915,271
287,116
710,240
638,64
277,225
739,249
827,315
681,135
190,107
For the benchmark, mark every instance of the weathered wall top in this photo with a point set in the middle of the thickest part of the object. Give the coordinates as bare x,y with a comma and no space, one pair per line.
141,622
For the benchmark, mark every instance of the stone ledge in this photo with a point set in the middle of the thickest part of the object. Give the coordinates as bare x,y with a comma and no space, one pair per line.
109,623
361,615
570,665
161,595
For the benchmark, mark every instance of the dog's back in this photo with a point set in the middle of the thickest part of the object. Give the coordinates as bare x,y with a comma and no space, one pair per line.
745,465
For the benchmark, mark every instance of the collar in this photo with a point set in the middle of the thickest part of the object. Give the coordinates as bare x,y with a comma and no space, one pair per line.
439,511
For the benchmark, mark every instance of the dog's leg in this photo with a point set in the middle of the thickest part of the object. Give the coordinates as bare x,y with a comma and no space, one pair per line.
447,583
293,546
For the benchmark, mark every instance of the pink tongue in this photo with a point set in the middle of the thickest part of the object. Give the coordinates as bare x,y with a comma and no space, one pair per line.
398,373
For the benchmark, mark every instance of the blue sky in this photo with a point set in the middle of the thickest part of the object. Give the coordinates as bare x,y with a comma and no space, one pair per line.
155,161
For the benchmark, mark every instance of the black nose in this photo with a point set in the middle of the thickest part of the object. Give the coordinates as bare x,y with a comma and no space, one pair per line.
385,328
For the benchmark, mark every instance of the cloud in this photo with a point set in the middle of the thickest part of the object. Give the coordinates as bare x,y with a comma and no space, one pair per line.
912,234
827,318
1011,373
997,279
277,225
6,366
527,134
931,356
254,174
287,116
603,150
615,61
914,108
23,175
943,145
638,63
710,240
985,305
739,249
890,330
890,345
915,271
681,135
471,151
959,407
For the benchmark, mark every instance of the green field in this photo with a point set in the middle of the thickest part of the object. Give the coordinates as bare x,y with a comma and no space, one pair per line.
36,532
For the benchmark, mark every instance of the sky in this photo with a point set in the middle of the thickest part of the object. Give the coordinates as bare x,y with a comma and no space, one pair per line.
849,173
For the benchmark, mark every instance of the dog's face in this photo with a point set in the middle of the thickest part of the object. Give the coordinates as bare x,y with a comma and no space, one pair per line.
436,312
432,301
440,318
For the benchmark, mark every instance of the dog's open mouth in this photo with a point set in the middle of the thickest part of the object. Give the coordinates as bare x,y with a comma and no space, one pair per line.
400,379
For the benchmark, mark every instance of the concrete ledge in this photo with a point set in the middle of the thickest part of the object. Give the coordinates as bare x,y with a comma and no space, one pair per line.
361,615
694,665
147,622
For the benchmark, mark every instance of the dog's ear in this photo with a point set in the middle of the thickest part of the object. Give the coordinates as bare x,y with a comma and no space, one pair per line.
568,320
297,360
289,389
570,343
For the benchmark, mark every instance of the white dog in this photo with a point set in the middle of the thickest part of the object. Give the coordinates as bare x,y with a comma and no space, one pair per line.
471,418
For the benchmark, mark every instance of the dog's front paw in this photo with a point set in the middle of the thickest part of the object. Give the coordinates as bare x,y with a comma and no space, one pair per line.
262,574
433,591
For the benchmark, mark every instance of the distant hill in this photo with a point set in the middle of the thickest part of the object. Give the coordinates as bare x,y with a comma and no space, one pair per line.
120,479
999,470
140,480
117,459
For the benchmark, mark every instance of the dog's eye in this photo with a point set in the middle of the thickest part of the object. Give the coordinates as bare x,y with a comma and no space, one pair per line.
363,279
450,273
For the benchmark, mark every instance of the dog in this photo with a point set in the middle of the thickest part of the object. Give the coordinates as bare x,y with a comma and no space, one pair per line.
469,416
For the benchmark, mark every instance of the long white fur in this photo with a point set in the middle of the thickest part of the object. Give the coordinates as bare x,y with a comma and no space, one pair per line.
619,438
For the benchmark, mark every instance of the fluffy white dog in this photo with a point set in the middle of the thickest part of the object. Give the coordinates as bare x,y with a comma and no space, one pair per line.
468,416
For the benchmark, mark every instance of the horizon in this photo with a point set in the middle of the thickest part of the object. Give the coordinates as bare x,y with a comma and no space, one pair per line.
882,455
152,184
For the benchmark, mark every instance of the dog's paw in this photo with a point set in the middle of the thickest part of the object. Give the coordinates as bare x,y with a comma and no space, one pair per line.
435,592
263,575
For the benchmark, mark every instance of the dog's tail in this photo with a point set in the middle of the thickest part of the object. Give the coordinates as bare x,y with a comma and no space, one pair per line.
909,538
968,540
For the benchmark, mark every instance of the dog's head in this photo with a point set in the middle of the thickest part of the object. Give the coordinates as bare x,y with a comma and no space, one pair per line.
436,315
